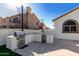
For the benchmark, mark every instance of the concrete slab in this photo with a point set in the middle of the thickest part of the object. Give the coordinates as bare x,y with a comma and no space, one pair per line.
58,48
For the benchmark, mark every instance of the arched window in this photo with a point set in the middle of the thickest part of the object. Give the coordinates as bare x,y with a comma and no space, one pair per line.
70,26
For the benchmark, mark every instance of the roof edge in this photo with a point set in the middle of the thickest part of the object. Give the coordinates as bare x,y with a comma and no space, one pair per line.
66,13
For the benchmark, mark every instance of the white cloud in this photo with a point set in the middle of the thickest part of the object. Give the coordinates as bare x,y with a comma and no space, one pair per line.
15,3
41,1
51,25
13,6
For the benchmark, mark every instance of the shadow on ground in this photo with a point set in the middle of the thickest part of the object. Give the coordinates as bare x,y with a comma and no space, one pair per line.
60,44
40,48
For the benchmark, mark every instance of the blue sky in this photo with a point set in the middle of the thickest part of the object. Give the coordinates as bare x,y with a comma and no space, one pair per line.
45,11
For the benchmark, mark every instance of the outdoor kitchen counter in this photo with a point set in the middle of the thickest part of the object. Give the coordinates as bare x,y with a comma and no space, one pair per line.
38,37
11,42
39,33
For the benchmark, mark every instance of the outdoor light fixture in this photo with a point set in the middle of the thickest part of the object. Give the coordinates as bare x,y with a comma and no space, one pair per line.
42,26
43,37
21,16
21,10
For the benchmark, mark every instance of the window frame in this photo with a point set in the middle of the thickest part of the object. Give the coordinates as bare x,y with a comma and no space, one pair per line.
70,31
15,20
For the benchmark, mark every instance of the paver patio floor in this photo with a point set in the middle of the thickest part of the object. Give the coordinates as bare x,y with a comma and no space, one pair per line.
58,48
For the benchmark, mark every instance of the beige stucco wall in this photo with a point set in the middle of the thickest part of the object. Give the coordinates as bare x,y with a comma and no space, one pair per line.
58,26
32,21
2,21
29,20
8,23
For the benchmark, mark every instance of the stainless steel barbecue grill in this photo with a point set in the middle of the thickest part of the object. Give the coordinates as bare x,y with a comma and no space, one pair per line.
20,36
